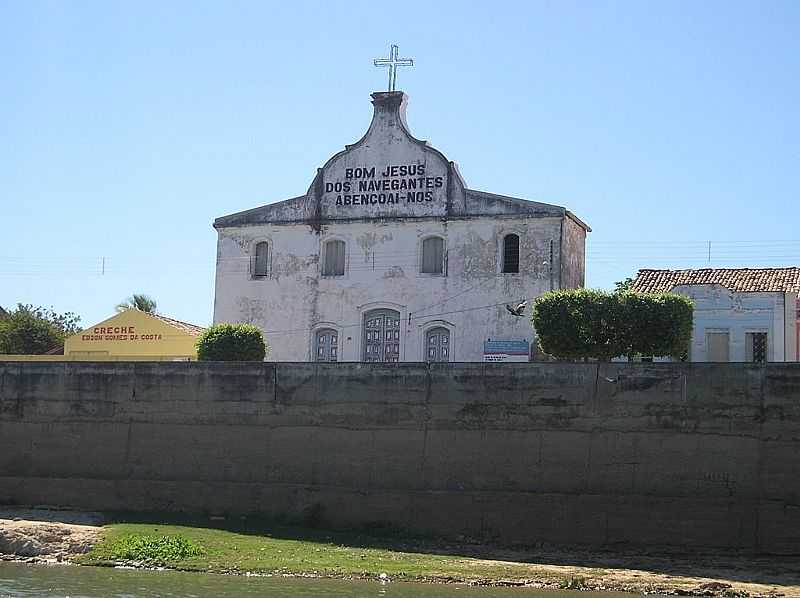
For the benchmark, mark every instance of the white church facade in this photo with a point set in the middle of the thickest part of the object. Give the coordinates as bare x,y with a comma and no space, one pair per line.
389,257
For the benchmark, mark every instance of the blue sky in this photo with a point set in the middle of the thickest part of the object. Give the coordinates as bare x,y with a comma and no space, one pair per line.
128,127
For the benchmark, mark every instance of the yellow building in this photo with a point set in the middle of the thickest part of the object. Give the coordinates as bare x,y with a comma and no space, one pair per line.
135,335
131,335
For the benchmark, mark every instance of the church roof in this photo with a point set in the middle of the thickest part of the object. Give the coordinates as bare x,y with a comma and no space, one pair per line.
389,173
740,280
479,203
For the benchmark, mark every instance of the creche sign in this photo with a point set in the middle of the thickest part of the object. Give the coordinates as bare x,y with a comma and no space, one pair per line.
119,333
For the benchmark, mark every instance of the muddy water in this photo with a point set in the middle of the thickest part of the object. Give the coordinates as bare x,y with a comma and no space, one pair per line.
59,581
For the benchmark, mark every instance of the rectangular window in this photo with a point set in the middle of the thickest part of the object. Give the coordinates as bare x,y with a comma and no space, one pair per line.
334,259
433,255
511,254
260,266
717,346
756,347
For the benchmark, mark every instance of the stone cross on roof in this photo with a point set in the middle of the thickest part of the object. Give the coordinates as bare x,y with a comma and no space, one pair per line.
393,62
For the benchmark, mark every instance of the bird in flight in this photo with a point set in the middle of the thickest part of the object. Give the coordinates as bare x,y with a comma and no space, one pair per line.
517,311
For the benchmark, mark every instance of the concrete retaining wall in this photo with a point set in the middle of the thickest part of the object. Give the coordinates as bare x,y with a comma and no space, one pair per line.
701,455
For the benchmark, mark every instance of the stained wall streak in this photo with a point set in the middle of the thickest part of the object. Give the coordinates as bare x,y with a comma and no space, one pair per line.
685,455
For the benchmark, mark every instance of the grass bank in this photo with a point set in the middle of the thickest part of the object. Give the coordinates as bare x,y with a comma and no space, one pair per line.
309,552
294,551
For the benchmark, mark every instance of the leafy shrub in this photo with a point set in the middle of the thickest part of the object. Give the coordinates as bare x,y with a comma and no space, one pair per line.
658,324
583,323
231,342
157,550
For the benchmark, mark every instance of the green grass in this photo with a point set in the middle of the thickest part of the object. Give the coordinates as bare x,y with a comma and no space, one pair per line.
159,550
287,551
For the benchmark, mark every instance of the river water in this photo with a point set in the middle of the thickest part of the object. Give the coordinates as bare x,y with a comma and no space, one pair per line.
19,580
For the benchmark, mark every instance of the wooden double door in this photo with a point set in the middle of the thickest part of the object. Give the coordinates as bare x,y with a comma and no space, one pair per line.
382,336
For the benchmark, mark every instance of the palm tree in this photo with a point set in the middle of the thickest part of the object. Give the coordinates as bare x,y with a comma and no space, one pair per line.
140,302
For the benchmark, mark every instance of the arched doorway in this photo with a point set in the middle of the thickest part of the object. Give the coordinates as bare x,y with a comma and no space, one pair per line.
381,338
326,345
437,344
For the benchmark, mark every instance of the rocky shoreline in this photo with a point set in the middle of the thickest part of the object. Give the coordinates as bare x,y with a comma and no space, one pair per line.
46,535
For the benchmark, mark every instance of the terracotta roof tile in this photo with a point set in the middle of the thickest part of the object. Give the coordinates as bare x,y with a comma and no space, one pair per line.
742,280
184,326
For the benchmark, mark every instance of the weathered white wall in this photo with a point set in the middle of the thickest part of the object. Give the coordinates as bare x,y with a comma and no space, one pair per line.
296,300
387,172
382,196
717,308
573,249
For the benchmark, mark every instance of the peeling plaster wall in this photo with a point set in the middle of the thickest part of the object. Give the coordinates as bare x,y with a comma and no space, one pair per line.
383,259
574,250
684,455
383,195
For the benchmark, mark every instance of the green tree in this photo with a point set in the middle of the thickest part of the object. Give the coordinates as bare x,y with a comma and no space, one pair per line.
658,324
623,285
582,323
231,342
140,302
31,330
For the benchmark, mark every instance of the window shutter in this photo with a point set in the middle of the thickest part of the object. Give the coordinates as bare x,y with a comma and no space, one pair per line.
511,253
262,259
334,258
433,255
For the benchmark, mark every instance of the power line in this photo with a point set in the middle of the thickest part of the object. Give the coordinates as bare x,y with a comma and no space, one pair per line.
359,324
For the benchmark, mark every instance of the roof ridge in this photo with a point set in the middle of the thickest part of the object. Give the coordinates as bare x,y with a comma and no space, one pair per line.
772,279
169,320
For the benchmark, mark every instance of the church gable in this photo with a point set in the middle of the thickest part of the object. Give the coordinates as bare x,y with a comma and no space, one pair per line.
388,173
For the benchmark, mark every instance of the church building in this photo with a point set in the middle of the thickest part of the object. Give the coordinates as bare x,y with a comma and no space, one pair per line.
389,257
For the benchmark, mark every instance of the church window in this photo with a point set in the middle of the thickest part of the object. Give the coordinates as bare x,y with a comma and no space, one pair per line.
326,345
437,344
260,260
382,336
433,255
333,261
511,253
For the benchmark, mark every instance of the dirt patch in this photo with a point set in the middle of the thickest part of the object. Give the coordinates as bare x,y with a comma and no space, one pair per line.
717,576
47,535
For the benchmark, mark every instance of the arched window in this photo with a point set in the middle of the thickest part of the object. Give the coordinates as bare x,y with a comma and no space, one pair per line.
326,345
511,253
433,255
437,344
333,260
382,336
261,259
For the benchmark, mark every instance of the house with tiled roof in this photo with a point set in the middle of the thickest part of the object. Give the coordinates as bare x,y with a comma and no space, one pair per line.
740,314
135,335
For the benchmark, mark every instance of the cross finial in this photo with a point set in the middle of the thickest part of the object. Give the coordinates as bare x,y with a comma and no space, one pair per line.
393,62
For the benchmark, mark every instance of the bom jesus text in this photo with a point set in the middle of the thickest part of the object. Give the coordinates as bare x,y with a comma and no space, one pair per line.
395,183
